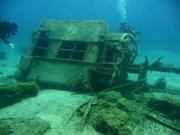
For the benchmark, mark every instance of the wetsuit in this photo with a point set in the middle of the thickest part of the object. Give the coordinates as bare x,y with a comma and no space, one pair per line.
6,30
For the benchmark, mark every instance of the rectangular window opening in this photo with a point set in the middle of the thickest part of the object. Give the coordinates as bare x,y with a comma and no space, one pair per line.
39,52
64,54
67,45
78,55
42,43
72,50
42,40
81,46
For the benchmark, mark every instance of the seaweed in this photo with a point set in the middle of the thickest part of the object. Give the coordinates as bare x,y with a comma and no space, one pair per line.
12,93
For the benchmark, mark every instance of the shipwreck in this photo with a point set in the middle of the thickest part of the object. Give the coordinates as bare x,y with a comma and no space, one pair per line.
83,55
78,55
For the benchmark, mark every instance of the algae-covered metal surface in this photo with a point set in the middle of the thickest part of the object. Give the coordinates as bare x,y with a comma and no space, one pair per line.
75,30
78,55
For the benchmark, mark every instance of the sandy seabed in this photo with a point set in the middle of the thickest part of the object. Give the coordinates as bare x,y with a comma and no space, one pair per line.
57,106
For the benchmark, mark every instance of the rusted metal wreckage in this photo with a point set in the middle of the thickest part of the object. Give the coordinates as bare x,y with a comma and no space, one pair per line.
81,55
85,56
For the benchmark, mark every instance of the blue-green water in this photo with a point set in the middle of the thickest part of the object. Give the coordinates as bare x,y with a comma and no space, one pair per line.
158,22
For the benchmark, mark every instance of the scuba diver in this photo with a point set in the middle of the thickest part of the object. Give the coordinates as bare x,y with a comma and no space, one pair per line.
125,28
6,30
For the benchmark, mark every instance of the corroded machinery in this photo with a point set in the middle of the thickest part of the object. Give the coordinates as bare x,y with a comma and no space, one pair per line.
81,55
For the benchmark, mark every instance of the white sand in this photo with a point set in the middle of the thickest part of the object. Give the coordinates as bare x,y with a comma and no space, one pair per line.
56,107
172,79
171,58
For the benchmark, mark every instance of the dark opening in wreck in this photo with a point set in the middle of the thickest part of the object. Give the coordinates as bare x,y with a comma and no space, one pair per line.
81,55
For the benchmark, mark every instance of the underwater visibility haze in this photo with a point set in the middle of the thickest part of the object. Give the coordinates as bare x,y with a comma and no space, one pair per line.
157,20
90,67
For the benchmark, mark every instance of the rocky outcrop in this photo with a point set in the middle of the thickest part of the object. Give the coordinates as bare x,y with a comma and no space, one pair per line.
10,94
23,126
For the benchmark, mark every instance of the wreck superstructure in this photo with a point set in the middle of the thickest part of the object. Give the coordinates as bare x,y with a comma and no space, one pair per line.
80,55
